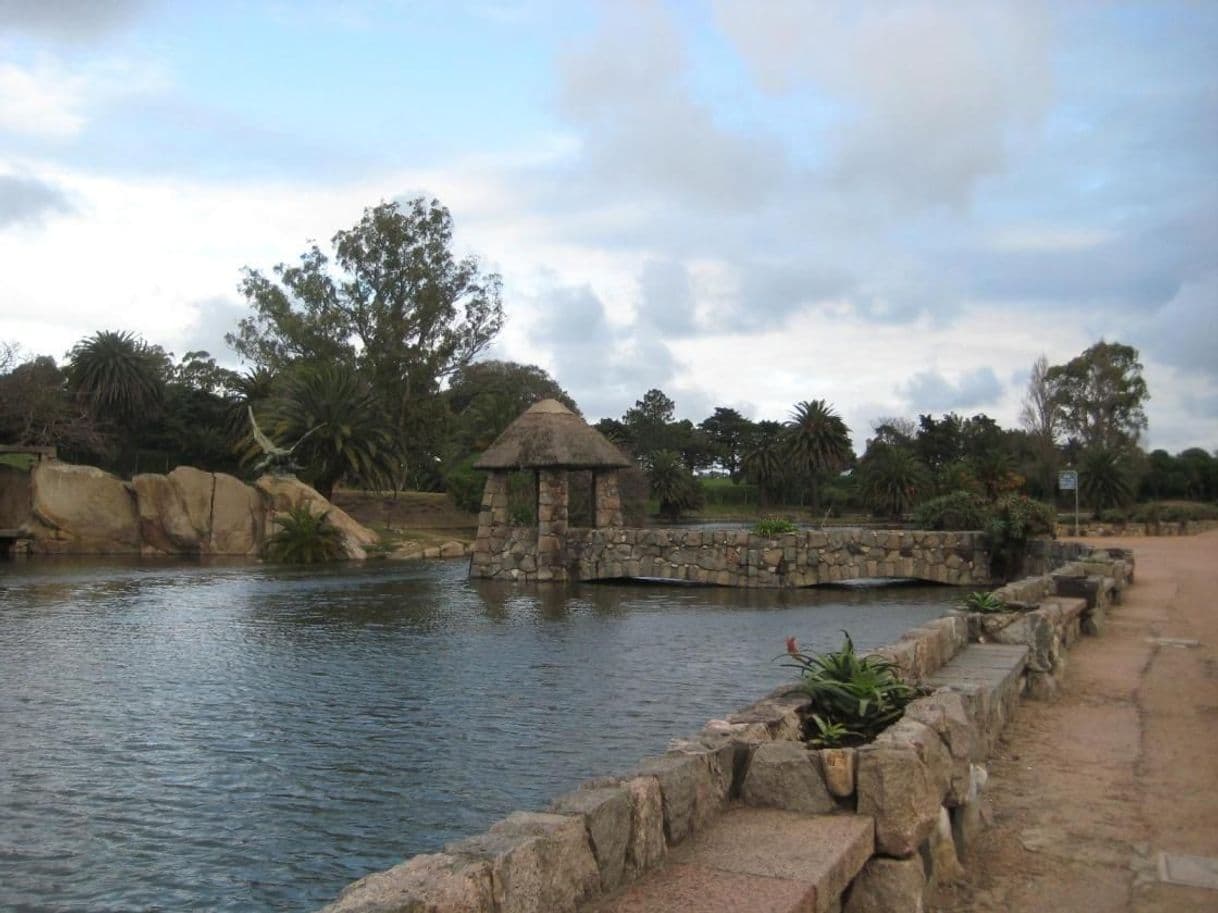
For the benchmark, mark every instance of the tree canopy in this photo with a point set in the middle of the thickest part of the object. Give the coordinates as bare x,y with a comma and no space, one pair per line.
1100,396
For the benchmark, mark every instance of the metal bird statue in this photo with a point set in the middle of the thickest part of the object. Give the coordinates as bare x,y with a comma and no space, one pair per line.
276,460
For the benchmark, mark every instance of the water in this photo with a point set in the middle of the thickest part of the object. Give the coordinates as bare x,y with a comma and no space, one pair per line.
235,737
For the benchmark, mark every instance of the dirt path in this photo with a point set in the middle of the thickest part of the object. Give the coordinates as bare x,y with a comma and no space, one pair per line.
1086,792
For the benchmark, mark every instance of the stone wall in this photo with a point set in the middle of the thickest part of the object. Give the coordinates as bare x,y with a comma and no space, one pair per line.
736,558
1095,529
74,510
920,782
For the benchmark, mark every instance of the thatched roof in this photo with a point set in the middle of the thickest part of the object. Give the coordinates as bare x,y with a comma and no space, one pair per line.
549,435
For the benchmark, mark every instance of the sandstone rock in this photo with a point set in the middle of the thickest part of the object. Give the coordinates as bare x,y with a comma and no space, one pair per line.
785,775
888,886
81,509
164,523
452,549
194,487
773,718
837,765
606,814
900,793
237,520
539,863
285,492
931,750
435,883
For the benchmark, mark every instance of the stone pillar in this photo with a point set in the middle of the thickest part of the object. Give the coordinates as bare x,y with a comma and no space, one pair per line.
552,524
492,525
608,507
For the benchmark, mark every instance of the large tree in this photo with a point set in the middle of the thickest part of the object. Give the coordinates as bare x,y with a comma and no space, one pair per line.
486,396
1100,396
120,374
728,432
1041,419
395,304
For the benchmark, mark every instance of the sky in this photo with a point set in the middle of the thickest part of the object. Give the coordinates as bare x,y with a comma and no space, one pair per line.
896,207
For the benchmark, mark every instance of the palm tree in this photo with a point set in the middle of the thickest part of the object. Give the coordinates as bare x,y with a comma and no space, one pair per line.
817,441
1104,478
763,462
673,485
122,376
348,434
892,480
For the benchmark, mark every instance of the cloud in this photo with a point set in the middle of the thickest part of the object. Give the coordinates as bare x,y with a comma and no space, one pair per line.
73,20
1184,332
641,131
928,98
213,318
666,298
930,391
41,101
27,200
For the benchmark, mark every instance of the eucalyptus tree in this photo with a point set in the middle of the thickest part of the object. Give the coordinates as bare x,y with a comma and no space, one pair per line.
395,305
1100,396
817,441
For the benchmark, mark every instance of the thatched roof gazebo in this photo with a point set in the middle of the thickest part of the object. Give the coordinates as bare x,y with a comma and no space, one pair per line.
552,441
548,435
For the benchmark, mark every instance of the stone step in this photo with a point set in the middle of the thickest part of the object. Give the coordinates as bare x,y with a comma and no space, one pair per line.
756,859
989,678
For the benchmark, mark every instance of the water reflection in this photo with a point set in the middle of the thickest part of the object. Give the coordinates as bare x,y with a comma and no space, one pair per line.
217,736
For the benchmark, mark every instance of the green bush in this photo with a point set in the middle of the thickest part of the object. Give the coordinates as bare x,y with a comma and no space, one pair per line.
720,492
774,526
956,511
304,537
853,697
464,484
1013,521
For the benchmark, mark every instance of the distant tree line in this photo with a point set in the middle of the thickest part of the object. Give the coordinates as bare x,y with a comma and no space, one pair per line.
375,347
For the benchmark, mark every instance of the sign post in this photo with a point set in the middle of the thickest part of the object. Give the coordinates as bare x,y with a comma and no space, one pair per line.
1067,480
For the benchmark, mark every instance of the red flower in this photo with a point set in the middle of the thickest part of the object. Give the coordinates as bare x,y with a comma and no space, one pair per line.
791,646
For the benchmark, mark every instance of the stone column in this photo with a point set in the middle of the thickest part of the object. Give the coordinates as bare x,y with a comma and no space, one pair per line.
552,524
492,526
608,499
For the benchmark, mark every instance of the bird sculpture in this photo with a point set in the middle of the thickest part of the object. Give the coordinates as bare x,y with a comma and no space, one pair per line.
275,459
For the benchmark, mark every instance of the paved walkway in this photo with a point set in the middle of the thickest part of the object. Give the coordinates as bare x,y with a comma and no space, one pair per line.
1086,792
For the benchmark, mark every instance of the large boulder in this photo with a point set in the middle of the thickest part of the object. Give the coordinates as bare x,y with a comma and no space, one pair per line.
82,510
195,487
164,523
237,518
435,883
286,492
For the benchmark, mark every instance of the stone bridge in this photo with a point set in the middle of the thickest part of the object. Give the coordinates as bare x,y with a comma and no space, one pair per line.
735,558
550,441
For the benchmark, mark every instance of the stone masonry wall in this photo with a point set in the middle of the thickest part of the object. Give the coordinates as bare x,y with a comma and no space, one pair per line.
736,558
919,783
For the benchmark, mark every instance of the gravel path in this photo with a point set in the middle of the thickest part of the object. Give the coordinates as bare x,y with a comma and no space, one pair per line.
1086,792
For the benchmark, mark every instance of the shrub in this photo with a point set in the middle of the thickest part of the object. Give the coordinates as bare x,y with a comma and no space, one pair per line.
464,484
853,697
304,537
958,510
1013,521
774,526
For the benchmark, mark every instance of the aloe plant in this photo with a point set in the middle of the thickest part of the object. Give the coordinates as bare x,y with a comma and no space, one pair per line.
853,697
981,601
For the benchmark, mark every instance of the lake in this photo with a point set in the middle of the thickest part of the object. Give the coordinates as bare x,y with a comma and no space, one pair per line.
219,736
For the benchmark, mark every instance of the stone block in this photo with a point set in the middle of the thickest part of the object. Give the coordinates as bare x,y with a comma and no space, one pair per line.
434,883
775,718
945,713
888,886
897,789
785,775
932,751
539,863
838,766
688,789
606,813
941,860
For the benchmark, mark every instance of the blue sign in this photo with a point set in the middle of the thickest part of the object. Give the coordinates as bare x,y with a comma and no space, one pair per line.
1067,480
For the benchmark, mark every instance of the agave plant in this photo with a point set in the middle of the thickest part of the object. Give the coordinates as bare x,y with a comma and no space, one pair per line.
860,694
774,526
304,537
